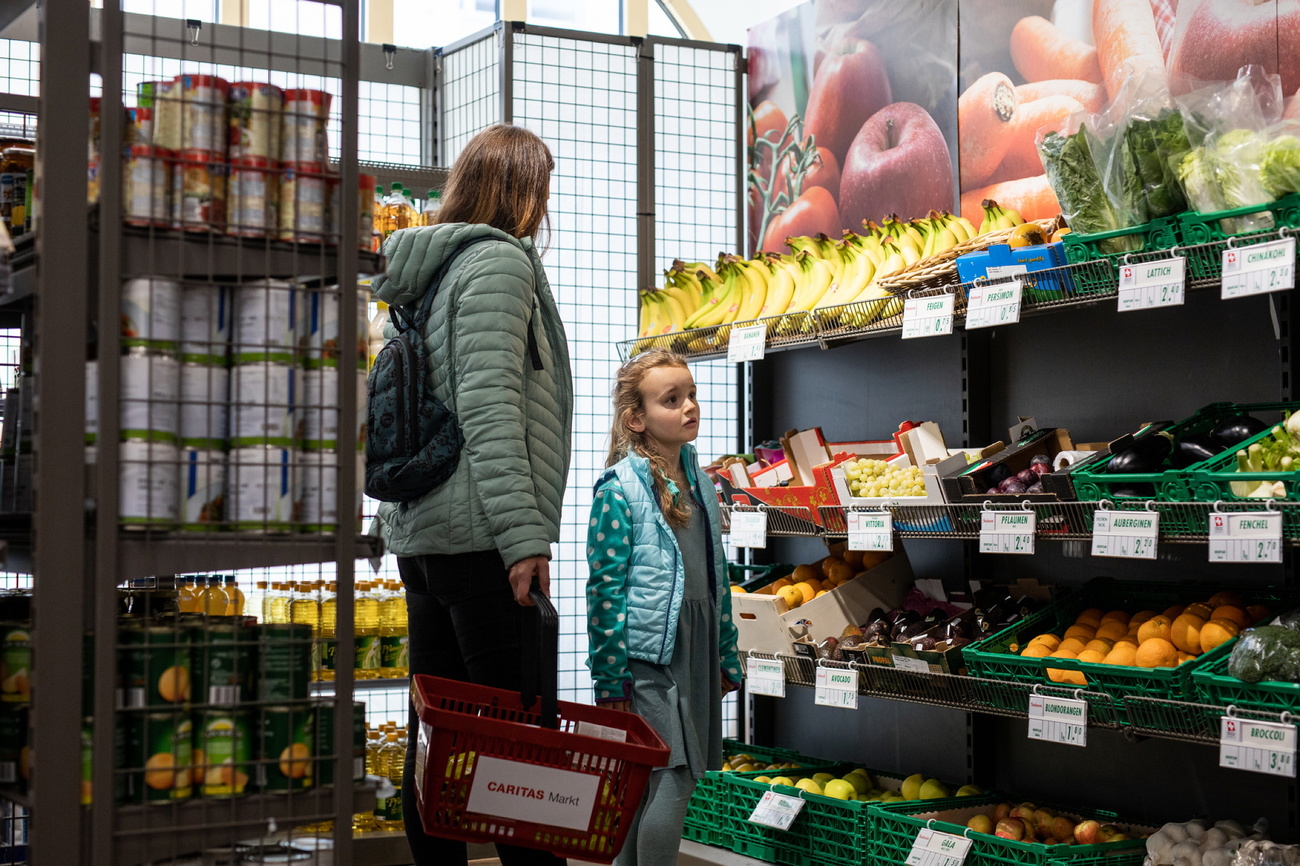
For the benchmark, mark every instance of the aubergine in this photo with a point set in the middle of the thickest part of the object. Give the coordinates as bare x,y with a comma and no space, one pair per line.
1193,448
1145,455
1237,429
998,473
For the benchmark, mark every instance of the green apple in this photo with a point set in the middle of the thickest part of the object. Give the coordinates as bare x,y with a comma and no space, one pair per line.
840,790
808,785
783,780
969,790
912,787
860,783
822,778
933,789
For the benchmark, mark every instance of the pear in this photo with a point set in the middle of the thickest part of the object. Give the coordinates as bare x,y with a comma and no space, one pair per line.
912,787
969,791
933,789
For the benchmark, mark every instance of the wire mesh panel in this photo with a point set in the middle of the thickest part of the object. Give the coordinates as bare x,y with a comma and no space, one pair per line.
470,90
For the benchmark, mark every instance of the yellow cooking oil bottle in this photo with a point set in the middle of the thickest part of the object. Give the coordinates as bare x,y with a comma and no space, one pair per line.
367,632
393,635
304,609
392,759
327,637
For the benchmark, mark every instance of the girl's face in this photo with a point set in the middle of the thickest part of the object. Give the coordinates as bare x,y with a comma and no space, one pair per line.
669,413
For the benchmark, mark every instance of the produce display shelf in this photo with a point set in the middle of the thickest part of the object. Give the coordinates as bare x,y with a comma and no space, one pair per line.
787,521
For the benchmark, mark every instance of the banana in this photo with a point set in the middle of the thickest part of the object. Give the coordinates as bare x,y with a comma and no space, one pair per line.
716,308
689,283
967,226
894,259
644,313
675,312
657,321
956,226
858,273
753,297
780,289
818,279
696,267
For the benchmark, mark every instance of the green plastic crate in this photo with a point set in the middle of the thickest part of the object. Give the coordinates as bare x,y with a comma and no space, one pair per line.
1216,478
1205,263
752,577
990,657
1152,237
896,825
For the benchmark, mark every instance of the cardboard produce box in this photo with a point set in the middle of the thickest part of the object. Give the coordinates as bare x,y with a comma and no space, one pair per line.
767,625
970,485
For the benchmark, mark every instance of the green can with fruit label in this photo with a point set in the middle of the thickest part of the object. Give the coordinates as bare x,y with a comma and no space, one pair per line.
327,649
88,761
160,753
156,665
325,743
284,661
224,655
13,748
285,755
15,662
224,755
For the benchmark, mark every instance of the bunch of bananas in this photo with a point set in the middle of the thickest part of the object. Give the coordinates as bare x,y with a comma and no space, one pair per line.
997,217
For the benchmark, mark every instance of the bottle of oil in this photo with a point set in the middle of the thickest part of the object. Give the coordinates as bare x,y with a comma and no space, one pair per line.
304,608
279,603
392,759
364,822
379,231
264,590
393,635
432,205
214,599
326,638
187,596
234,595
367,630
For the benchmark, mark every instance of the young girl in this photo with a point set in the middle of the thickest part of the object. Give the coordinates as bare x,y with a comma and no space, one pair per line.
659,607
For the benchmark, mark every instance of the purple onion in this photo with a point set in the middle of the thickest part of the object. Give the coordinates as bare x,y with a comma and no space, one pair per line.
1027,476
1041,468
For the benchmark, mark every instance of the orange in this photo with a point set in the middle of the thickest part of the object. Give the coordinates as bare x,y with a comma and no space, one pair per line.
872,558
803,572
1096,657
842,571
827,563
1099,644
1083,632
1226,597
1123,654
1156,653
1186,633
1052,641
1156,627
853,558
1217,631
1130,639
1112,630
1185,657
780,582
1176,611
1140,617
1257,612
793,597
806,590
1234,613
1072,645
1065,653
1036,651
1090,617
1116,616
738,589
820,593
1204,611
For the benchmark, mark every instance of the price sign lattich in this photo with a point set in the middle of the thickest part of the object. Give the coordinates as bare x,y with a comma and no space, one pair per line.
1144,285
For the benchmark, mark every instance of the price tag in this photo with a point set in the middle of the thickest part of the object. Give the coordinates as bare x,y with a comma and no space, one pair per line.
1058,720
933,848
1254,536
871,530
765,677
1007,532
837,687
776,810
927,317
747,344
1152,284
907,663
1261,747
1259,268
1125,534
990,306
749,528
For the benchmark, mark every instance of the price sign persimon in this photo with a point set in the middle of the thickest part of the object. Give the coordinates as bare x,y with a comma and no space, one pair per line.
837,687
1007,532
1254,536
933,848
990,306
927,317
765,677
1259,268
1145,285
1261,747
1125,534
870,530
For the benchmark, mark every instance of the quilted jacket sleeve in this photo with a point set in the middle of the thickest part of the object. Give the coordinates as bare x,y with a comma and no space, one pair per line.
609,550
493,304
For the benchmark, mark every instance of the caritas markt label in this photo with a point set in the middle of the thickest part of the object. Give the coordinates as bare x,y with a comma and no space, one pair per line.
525,792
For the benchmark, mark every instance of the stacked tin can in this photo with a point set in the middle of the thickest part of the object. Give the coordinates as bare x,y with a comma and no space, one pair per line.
254,138
206,323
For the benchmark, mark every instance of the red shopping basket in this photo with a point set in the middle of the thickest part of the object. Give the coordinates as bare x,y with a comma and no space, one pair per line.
563,777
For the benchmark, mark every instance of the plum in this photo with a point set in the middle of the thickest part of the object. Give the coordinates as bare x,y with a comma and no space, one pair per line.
1013,486
1027,476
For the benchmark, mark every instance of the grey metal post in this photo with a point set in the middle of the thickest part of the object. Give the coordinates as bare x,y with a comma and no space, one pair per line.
430,105
508,30
347,478
645,164
59,544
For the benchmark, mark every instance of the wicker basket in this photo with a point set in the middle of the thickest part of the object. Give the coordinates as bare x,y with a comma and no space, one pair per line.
939,270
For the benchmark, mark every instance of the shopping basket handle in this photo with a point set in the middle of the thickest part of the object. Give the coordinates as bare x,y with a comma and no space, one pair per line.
541,657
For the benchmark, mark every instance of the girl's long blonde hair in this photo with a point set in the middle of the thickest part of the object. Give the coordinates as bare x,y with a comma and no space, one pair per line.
623,440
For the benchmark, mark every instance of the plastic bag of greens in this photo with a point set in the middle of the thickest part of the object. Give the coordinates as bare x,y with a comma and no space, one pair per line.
1279,168
1113,153
1155,136
1068,160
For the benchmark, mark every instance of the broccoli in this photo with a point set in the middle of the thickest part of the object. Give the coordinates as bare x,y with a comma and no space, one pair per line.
1268,652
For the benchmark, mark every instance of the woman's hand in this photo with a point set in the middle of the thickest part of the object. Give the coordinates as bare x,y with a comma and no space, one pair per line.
521,578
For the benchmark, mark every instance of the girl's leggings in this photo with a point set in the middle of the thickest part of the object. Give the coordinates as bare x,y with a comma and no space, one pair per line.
656,832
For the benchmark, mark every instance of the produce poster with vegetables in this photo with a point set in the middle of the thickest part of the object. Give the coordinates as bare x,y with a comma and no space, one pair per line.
853,116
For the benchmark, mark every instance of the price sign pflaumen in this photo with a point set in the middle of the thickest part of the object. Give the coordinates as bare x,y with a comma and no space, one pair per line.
1261,747
1058,720
871,530
1152,284
1254,536
927,317
749,528
837,687
1007,532
933,848
776,811
765,677
990,306
1125,534
1259,268
747,344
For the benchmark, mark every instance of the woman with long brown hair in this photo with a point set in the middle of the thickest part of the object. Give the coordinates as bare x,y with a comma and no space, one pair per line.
469,550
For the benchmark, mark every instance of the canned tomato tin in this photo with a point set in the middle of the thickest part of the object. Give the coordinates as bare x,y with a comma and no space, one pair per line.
286,739
203,500
151,312
323,329
145,173
204,399
283,661
203,119
155,666
198,200
304,206
224,652
262,397
140,125
306,113
15,662
150,388
205,324
260,487
150,496
253,202
254,119
227,751
268,321
160,749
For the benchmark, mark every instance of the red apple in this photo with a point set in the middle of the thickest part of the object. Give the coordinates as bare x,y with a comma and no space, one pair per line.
812,213
1062,828
1221,36
1087,832
1010,828
898,163
850,85
825,173
1107,832
1026,811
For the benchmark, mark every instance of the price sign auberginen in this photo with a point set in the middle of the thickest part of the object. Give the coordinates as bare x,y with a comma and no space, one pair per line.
933,848
1253,536
1125,534
990,306
1145,285
871,530
1058,720
837,687
749,528
747,344
1007,532
1259,268
1261,747
765,677
776,810
927,317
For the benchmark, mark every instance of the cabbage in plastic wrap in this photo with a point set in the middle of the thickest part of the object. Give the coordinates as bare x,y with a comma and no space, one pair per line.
1267,652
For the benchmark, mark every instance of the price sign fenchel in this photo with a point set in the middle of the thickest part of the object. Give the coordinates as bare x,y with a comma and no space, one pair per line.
1058,720
837,687
1007,532
1257,269
927,317
933,848
765,677
990,306
747,344
1252,536
1145,285
1125,534
870,530
1260,747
